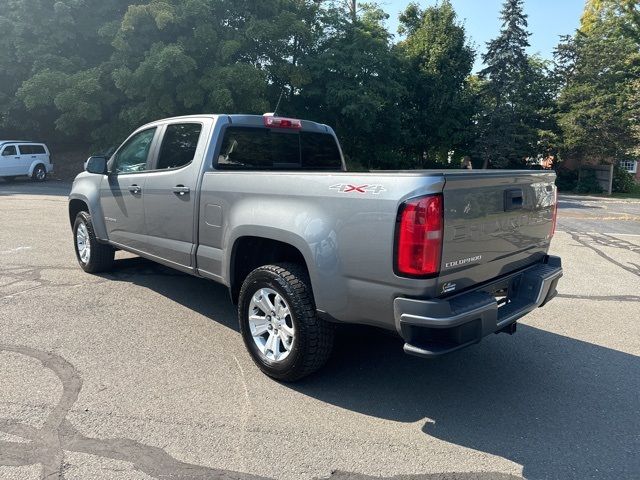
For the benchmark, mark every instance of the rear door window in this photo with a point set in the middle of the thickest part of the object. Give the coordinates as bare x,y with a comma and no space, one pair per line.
179,145
32,150
254,148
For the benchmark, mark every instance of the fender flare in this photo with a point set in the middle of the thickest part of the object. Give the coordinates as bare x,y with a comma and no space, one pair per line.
34,164
268,233
92,201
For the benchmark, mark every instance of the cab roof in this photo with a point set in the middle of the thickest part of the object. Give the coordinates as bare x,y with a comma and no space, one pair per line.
245,121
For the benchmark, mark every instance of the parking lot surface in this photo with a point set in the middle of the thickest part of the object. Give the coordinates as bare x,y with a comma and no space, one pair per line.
141,373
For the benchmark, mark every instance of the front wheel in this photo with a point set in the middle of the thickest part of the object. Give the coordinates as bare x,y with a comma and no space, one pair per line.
92,255
279,325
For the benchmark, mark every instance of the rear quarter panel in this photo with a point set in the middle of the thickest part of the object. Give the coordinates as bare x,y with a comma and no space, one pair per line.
345,235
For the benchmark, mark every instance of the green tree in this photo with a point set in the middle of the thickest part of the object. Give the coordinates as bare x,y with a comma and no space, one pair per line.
224,56
53,51
508,127
599,102
437,108
95,69
354,85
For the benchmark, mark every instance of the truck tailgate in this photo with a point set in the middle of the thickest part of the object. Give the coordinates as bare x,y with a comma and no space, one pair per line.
495,222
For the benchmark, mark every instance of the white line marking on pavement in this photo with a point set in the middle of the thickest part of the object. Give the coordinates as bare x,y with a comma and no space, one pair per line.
623,234
604,233
14,250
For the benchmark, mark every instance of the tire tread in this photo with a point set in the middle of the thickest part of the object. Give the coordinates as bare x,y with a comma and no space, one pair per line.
317,335
102,255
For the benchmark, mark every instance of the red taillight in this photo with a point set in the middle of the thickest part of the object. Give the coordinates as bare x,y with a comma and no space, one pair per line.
419,236
281,122
555,212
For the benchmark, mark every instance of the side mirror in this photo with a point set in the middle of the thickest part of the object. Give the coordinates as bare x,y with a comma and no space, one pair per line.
96,165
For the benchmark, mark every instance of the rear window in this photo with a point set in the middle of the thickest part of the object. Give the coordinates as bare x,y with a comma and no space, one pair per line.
32,149
252,148
179,145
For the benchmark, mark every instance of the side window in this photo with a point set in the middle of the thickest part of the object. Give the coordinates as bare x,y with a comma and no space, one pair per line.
132,157
38,150
25,149
179,145
9,150
320,152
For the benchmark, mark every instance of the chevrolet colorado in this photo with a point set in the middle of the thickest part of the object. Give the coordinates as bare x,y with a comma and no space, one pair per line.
265,206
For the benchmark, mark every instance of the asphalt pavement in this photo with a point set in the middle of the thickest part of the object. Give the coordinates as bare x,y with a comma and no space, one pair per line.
141,373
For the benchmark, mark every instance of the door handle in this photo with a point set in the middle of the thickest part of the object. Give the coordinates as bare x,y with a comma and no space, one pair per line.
135,189
181,190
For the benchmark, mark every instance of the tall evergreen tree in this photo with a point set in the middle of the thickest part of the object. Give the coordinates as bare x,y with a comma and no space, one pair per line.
507,128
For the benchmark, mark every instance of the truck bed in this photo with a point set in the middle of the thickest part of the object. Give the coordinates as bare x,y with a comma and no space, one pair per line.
344,224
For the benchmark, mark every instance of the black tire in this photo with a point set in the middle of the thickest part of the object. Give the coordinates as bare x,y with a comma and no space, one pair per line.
101,255
39,173
9,179
313,336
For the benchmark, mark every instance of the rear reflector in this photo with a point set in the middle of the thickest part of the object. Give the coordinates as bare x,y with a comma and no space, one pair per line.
419,236
281,122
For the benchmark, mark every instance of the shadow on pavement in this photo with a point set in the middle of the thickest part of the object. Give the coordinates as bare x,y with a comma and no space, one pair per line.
29,187
578,205
561,407
203,296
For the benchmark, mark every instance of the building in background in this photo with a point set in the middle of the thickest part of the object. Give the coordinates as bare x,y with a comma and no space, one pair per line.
631,166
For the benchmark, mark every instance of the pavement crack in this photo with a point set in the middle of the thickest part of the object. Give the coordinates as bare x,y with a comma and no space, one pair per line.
47,445
247,412
34,275
602,240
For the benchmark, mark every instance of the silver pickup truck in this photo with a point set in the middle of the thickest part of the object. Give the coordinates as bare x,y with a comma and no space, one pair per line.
265,206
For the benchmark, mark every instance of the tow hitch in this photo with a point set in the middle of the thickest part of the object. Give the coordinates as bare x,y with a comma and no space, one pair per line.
510,329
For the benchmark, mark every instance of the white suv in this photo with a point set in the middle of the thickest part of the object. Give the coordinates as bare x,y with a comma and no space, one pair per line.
19,157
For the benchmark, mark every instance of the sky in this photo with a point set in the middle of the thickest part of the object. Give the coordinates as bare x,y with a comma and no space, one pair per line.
548,20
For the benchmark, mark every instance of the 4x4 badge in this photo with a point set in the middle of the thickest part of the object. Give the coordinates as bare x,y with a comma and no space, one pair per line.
348,188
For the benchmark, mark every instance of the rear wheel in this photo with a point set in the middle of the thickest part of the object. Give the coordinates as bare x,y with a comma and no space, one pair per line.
279,324
39,173
92,255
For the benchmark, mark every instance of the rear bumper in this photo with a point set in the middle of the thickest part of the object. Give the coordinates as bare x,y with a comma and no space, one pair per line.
435,327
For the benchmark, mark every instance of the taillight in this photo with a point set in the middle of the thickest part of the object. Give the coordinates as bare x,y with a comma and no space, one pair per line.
281,122
555,212
419,236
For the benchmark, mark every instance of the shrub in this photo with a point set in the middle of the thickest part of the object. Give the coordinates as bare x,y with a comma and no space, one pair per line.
622,180
588,183
566,180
